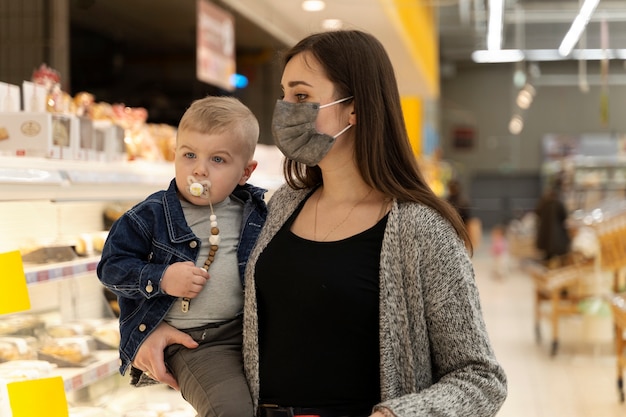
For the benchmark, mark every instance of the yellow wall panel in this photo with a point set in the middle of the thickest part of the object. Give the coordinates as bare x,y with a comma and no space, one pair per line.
412,111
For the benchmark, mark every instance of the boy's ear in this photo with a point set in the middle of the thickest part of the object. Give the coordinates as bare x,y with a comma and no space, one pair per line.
247,171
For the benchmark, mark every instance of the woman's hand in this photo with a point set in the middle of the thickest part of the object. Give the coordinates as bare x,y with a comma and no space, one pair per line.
149,357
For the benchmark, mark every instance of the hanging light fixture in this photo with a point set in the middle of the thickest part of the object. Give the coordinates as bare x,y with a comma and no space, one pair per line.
516,124
525,96
313,5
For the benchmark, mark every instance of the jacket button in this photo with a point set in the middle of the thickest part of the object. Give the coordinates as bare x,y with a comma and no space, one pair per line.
193,244
142,327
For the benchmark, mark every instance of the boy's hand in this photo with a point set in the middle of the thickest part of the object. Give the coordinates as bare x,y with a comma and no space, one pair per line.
184,279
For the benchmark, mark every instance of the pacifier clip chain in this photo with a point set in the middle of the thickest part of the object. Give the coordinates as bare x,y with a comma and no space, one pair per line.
214,241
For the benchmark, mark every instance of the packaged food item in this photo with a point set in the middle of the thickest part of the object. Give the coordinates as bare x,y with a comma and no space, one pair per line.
20,370
68,351
22,324
69,329
86,412
107,336
17,348
141,413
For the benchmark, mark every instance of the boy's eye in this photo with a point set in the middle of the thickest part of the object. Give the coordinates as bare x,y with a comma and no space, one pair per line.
218,159
189,155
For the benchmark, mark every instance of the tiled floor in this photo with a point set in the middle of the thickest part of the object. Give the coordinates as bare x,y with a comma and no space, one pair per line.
580,381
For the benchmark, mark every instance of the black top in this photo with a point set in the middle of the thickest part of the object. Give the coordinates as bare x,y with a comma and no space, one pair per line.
318,321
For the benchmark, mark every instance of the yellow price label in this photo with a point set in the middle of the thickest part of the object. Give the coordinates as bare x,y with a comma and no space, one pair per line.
13,290
38,397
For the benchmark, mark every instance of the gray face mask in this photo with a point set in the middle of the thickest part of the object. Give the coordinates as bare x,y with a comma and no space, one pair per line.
293,128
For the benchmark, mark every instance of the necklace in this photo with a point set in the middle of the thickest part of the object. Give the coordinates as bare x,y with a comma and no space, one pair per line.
338,225
214,241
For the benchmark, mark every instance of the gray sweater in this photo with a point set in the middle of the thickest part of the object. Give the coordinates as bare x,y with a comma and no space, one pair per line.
435,354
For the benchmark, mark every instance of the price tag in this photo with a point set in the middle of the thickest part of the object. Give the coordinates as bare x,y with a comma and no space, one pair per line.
13,290
38,397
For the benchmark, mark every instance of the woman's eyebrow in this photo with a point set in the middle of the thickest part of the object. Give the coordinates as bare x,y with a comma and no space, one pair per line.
297,83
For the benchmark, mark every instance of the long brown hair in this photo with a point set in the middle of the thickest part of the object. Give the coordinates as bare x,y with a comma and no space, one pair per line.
358,65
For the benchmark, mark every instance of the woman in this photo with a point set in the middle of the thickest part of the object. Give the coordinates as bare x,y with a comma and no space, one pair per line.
360,294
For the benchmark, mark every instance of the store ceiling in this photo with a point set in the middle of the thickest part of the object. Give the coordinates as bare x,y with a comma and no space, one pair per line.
528,24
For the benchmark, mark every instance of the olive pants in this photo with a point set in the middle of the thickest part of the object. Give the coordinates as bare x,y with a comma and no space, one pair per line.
211,376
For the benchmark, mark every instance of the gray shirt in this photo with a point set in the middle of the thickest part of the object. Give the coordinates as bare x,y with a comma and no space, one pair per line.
222,296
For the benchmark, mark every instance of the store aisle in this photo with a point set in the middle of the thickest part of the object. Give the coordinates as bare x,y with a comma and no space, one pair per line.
580,381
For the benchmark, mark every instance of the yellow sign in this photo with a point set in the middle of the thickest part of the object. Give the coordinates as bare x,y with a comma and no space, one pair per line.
38,397
13,290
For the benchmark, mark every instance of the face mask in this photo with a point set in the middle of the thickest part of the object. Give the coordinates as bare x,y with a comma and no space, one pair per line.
293,128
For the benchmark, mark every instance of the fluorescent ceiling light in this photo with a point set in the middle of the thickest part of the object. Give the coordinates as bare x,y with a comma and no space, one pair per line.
494,31
578,27
540,55
313,5
502,55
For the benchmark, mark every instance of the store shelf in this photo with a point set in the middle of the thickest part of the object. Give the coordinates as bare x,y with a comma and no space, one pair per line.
26,178
61,270
107,363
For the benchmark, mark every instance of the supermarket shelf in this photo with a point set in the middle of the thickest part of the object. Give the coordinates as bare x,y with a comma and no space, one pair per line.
106,364
27,178
61,270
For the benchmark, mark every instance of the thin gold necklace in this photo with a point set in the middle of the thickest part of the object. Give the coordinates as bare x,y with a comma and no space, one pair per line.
338,225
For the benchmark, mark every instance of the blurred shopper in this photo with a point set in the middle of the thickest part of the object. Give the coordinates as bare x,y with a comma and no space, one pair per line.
499,252
552,238
459,200
461,203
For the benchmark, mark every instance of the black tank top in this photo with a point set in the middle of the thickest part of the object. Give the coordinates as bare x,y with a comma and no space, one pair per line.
318,320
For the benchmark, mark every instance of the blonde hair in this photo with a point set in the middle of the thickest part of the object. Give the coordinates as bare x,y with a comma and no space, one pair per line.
220,114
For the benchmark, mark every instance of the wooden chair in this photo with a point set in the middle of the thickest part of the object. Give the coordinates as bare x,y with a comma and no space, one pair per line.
618,308
561,287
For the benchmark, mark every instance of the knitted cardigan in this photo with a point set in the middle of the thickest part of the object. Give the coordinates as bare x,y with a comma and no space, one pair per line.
435,354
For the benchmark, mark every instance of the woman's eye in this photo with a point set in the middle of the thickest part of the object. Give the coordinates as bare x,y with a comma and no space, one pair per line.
301,96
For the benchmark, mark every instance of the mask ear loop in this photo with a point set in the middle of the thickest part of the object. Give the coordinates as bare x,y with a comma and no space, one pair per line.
342,131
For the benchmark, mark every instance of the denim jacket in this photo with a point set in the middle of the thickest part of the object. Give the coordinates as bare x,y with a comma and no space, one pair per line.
144,242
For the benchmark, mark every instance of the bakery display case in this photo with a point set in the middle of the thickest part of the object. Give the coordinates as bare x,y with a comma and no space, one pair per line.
53,212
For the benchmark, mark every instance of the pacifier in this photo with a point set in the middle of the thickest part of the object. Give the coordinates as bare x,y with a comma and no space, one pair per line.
198,188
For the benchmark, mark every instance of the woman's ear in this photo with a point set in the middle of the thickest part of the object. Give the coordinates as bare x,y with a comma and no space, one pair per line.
352,118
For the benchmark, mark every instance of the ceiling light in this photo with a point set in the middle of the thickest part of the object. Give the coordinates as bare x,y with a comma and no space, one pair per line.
578,27
494,30
519,78
525,97
516,125
538,55
332,24
503,55
313,5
